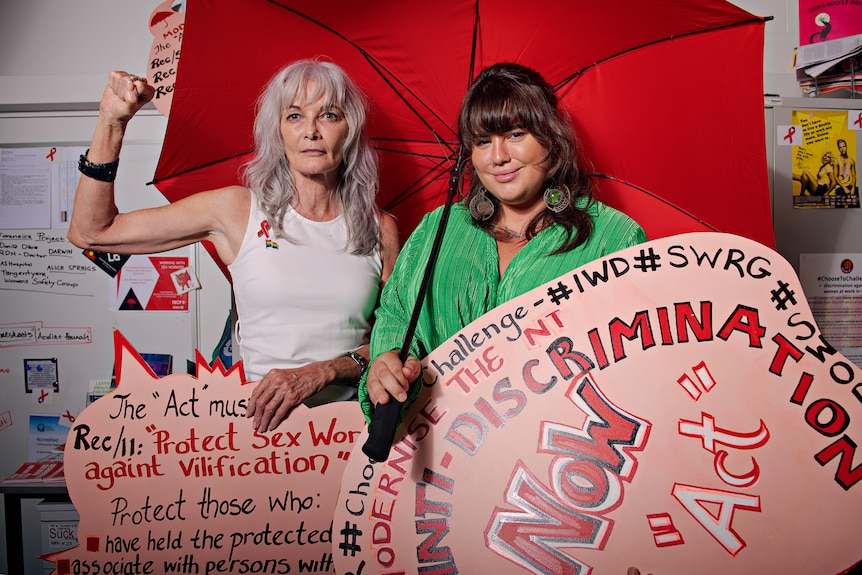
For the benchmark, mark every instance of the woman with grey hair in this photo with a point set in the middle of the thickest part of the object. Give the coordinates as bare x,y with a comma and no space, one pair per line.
306,246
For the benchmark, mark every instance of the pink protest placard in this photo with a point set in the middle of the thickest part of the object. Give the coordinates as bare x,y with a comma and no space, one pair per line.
168,476
166,25
671,407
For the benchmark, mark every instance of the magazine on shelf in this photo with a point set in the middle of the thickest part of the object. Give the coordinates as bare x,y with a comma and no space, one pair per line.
828,51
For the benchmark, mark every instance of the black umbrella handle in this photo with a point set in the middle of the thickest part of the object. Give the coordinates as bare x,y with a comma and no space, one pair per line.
384,422
381,430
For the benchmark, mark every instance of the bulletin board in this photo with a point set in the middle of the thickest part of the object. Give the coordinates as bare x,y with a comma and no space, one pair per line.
57,311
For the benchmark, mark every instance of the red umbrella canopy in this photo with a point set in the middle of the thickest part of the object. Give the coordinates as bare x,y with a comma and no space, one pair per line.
673,142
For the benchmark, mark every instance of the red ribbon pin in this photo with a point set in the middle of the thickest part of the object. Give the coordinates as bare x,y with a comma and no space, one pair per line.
264,229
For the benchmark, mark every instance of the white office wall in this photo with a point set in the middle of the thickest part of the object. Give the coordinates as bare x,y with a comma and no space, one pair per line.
60,50
782,35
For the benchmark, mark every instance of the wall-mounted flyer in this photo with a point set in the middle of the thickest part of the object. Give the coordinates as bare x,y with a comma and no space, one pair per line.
833,286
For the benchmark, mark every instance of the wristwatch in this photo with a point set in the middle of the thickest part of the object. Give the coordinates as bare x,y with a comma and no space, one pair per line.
102,172
360,361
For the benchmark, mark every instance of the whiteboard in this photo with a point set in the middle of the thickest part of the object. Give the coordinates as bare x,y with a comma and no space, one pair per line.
55,303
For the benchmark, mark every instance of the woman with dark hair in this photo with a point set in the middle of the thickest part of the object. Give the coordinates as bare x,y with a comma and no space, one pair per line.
307,248
528,218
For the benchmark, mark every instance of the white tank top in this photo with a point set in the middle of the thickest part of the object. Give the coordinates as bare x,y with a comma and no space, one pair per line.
304,300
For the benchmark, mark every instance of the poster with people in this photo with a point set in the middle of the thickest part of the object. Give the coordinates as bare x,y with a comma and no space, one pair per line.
824,158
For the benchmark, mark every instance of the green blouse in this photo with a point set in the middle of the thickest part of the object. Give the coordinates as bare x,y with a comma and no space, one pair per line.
466,282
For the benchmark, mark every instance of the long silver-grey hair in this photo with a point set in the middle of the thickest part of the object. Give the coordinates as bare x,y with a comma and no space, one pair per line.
268,174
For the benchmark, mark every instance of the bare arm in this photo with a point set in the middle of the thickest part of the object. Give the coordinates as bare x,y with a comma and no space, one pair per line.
281,390
95,209
216,215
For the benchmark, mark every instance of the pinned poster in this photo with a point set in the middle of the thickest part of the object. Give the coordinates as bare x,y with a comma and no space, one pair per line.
25,187
824,20
833,288
672,406
40,375
46,437
824,160
146,283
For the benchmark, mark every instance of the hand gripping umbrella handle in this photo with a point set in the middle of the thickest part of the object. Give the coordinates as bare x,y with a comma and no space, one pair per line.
384,422
381,430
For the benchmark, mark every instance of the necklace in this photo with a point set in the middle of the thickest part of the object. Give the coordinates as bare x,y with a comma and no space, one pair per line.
504,233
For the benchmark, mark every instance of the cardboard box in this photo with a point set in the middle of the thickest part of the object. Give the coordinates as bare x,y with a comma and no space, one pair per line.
59,522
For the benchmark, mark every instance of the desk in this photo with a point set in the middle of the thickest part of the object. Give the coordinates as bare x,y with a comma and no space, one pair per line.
13,493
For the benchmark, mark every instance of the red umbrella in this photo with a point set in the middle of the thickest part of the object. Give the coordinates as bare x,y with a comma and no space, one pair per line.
675,143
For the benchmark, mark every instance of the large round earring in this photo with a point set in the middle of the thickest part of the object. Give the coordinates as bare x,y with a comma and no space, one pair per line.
481,207
557,199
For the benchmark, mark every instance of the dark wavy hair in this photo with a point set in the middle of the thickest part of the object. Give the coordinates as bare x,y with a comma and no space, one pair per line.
507,96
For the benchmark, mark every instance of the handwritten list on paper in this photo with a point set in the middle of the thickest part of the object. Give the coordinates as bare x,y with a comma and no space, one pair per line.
44,261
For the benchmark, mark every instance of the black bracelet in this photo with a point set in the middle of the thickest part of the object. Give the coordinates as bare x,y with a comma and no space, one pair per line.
360,361
102,172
